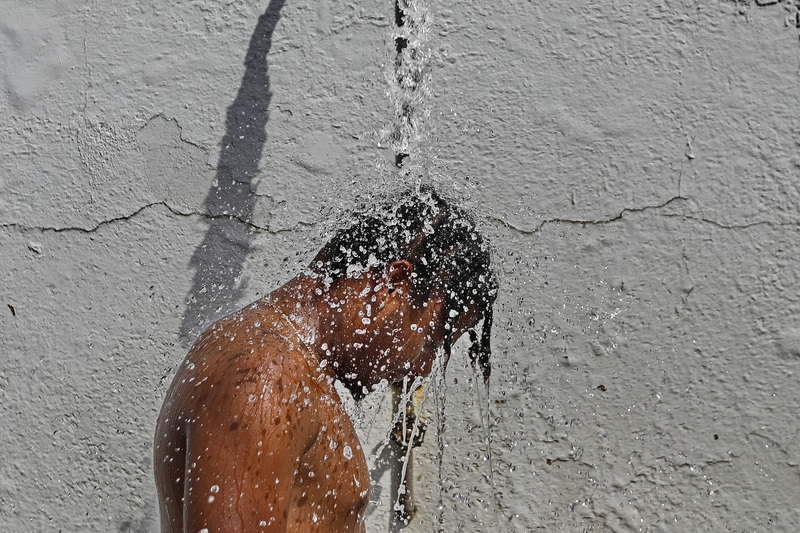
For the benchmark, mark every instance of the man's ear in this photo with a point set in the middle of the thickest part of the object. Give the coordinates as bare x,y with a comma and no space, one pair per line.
398,271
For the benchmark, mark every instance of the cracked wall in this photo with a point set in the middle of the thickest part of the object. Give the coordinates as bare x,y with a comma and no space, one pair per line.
634,163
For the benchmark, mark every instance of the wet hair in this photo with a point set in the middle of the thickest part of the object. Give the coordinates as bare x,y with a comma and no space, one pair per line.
440,241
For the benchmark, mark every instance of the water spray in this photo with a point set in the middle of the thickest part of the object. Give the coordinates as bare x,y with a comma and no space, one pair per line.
406,82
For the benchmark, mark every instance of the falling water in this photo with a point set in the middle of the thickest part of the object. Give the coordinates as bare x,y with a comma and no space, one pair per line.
441,390
409,93
407,80
409,435
484,406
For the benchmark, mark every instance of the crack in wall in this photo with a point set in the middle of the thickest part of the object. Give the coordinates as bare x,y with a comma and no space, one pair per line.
263,229
735,226
595,222
625,210
162,116
685,260
146,207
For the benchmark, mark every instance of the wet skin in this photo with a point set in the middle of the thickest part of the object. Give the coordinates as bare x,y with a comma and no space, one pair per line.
253,436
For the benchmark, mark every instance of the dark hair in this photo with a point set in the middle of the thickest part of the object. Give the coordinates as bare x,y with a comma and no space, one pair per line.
439,240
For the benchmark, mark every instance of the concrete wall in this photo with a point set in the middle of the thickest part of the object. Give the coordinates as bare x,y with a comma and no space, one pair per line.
634,163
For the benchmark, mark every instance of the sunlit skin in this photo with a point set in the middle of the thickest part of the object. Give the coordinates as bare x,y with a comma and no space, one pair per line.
253,435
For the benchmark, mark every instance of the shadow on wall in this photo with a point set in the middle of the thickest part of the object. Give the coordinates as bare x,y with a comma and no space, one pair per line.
219,258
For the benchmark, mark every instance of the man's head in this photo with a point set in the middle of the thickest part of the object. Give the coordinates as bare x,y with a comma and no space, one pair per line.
433,248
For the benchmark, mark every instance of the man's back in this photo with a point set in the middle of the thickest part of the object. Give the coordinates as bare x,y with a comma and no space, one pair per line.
253,436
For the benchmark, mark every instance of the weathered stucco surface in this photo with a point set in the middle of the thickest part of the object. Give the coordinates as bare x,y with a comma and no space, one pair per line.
635,164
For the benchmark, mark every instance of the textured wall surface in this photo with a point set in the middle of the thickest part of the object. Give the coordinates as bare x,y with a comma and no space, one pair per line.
634,163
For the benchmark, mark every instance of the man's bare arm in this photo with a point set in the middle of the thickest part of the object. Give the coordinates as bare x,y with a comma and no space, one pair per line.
241,461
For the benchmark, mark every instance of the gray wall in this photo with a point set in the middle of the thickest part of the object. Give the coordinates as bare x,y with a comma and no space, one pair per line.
634,163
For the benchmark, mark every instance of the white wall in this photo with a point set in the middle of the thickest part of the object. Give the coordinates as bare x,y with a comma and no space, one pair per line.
634,163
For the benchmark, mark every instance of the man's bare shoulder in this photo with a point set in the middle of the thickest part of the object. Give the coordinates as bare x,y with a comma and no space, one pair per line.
252,339
243,363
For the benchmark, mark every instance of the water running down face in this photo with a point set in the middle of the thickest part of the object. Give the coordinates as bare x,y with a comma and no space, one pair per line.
386,330
410,277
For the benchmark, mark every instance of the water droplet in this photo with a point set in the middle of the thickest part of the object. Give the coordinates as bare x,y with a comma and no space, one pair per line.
215,488
252,398
348,452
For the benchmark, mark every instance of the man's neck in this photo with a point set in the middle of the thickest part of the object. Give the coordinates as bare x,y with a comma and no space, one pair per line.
301,300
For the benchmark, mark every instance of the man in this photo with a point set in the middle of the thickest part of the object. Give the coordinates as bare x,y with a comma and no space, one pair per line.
253,435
